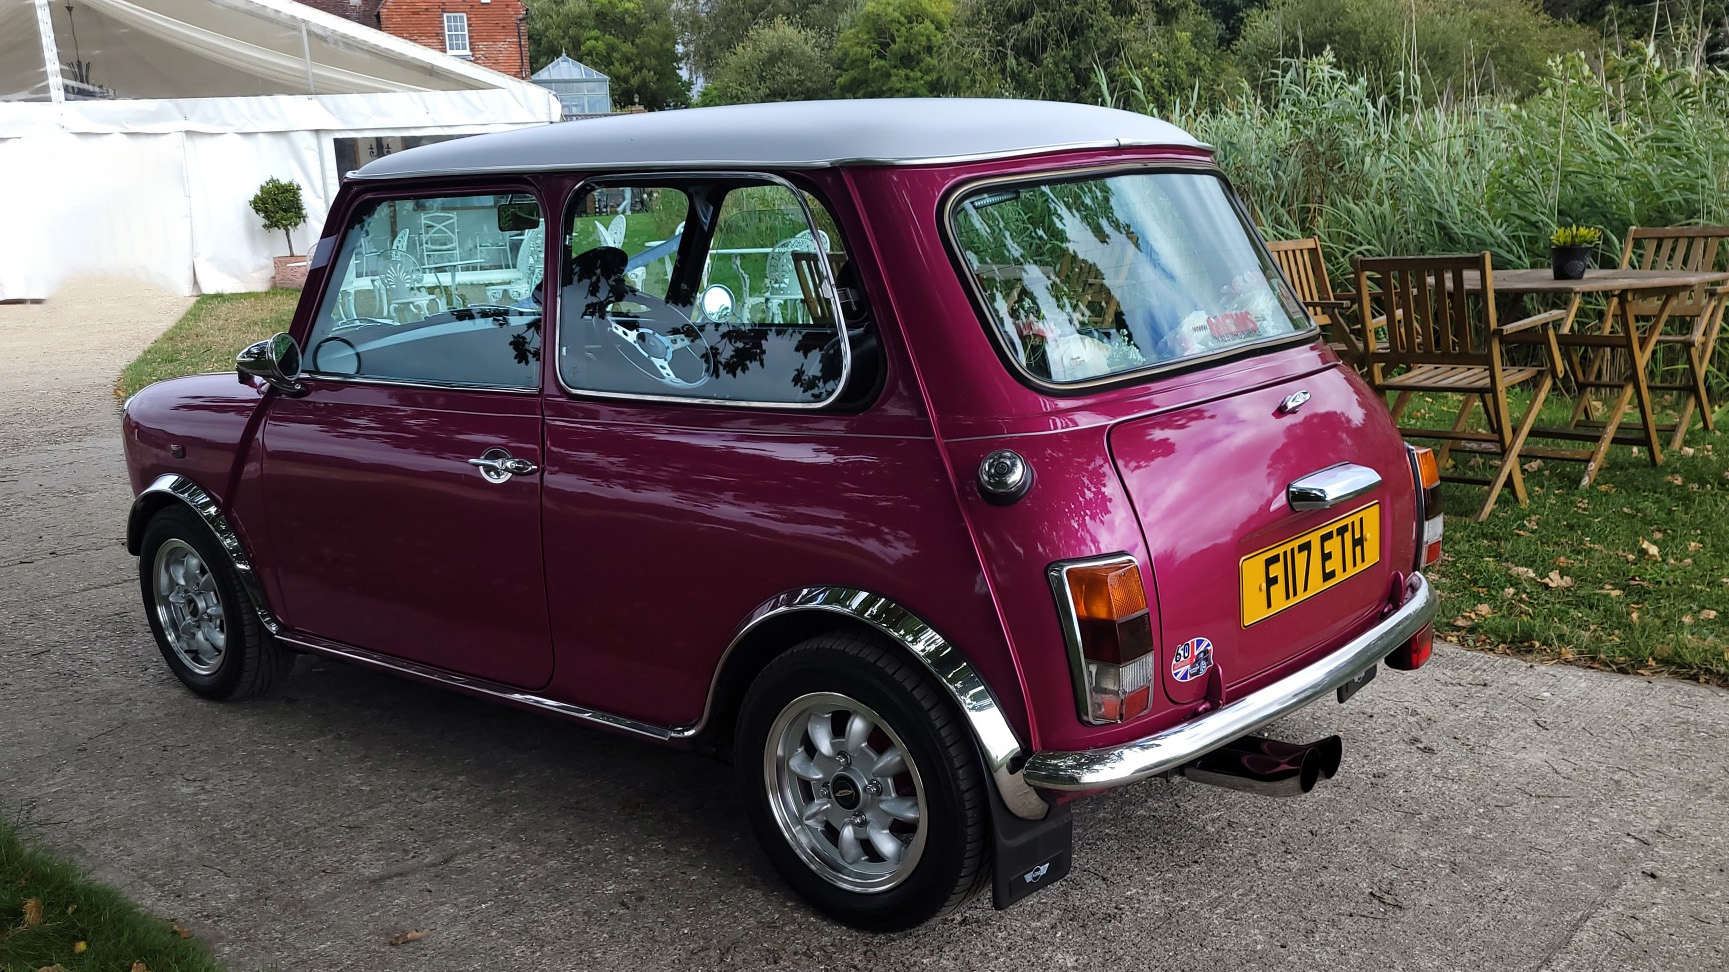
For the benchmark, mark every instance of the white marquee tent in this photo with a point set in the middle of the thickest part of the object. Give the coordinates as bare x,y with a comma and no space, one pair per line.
133,132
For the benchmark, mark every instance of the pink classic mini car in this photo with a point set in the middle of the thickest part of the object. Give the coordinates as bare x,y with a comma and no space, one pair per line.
936,462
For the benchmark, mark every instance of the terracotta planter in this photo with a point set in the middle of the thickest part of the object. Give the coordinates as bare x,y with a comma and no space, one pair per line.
291,272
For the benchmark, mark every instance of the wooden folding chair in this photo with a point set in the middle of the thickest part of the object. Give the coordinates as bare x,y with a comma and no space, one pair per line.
1700,311
1433,346
1305,270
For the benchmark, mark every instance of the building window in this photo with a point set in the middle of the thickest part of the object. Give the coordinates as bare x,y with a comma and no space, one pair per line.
456,34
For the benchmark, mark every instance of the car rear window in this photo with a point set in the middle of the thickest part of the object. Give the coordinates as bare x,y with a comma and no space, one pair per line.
1092,278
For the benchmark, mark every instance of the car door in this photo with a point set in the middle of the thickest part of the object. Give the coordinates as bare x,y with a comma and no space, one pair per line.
403,488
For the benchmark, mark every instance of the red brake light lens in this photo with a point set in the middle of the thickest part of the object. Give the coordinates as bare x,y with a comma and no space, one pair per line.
1110,633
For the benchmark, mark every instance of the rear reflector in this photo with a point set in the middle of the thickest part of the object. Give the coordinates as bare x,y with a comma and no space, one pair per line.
1412,654
1109,631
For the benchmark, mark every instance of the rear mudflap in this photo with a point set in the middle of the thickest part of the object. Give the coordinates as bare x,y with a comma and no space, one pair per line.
1029,854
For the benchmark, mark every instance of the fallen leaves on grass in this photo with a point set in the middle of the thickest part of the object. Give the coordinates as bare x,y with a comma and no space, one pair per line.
32,912
1708,614
1650,549
409,936
181,931
1555,581
140,967
56,967
79,948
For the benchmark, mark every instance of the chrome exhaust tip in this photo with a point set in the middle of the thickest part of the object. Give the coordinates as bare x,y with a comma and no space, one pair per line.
1254,764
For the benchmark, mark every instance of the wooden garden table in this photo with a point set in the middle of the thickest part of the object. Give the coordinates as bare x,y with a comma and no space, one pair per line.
1624,332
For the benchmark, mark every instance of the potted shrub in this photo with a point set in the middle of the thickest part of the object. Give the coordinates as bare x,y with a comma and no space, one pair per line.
1570,250
280,206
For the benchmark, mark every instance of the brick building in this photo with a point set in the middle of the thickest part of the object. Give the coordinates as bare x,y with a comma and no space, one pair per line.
491,33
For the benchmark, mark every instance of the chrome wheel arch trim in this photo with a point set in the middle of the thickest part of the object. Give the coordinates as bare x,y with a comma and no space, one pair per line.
174,487
996,739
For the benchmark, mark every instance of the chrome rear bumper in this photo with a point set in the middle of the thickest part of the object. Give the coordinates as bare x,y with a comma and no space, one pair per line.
1096,769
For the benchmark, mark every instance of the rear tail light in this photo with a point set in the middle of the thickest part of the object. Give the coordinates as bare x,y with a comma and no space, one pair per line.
1109,631
1426,474
1412,654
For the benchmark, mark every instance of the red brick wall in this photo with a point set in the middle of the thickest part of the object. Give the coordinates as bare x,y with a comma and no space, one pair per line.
492,30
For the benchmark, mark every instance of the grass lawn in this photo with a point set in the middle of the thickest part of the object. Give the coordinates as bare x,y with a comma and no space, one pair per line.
52,917
209,336
1629,575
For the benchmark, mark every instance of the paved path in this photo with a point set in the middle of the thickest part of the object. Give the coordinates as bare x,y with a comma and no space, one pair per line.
1490,816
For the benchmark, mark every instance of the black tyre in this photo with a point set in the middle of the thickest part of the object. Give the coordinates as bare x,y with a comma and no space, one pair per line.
203,622
863,784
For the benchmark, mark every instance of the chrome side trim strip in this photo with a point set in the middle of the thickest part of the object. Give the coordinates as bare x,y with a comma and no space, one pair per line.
482,687
1331,486
178,487
997,741
1161,753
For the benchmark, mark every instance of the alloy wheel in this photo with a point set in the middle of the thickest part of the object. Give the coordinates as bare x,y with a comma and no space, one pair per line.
845,792
188,606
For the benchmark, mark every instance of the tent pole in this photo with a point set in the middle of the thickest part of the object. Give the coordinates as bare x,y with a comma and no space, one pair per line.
306,55
50,53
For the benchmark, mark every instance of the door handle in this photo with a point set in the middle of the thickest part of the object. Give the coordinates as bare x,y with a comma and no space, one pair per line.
1331,486
498,465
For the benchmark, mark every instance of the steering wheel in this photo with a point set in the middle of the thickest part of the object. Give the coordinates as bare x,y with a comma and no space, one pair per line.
656,349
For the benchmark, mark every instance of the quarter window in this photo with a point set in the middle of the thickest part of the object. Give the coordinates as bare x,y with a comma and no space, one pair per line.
456,34
436,290
708,289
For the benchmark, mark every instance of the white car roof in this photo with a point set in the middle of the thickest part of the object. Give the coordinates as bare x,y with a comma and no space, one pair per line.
792,135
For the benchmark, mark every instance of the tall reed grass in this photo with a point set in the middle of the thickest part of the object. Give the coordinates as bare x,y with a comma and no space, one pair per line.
1315,154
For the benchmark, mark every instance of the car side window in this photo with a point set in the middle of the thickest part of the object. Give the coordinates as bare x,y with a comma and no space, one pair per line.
442,290
714,288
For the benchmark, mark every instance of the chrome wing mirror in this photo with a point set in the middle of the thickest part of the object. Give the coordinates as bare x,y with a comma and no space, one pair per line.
716,304
276,362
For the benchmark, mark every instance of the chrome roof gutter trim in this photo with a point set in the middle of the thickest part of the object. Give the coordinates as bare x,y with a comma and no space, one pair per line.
1098,769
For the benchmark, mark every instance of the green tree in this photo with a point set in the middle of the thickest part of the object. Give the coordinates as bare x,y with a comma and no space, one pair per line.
776,61
1078,50
280,206
1229,14
713,28
895,49
632,42
1457,46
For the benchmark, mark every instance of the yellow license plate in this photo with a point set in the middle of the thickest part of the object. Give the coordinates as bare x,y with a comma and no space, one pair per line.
1298,569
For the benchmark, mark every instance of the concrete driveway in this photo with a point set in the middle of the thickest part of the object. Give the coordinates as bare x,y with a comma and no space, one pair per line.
1491,815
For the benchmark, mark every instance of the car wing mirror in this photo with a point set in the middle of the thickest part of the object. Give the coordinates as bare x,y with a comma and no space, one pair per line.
716,304
275,361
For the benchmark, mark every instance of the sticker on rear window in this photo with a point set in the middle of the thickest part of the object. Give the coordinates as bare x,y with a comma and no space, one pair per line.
1192,659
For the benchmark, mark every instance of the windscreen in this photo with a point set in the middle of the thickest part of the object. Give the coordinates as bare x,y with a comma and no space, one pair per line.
1086,279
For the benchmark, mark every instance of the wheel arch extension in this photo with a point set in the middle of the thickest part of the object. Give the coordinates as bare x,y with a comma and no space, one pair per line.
172,488
784,621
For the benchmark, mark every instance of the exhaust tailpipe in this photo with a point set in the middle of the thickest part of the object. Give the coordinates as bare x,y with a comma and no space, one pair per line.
1267,766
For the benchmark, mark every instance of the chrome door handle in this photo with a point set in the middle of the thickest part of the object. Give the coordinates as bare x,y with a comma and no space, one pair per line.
498,466
1331,486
